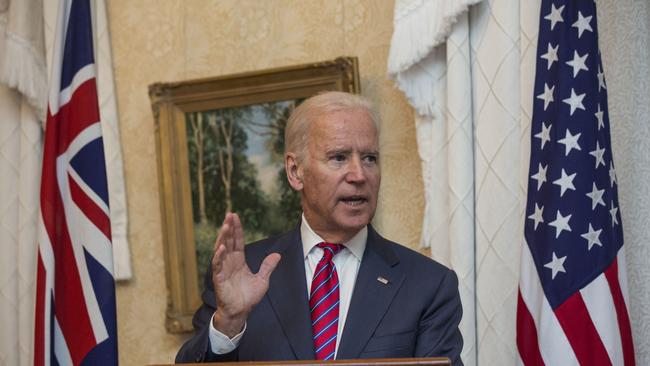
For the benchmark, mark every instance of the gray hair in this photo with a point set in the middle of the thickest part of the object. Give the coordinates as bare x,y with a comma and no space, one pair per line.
322,104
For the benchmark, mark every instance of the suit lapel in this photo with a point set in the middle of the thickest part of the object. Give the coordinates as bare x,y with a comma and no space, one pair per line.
288,295
371,297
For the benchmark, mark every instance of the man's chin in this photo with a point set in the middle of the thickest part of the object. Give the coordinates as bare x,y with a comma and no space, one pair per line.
354,222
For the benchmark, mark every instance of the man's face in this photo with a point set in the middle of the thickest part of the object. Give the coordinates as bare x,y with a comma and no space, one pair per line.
341,175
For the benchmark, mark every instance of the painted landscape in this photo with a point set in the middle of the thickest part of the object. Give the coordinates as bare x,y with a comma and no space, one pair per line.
236,165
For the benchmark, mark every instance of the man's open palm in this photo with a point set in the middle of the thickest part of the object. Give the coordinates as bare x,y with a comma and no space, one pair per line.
237,289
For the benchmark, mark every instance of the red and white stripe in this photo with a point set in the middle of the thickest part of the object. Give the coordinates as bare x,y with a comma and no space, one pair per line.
590,328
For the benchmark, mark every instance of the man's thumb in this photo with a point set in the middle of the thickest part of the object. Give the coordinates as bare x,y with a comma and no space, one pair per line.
269,264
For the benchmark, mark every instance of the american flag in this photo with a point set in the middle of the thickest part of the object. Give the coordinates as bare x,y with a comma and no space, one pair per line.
572,306
75,300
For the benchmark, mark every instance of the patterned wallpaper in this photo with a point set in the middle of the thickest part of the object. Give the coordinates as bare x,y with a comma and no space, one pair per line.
625,44
175,40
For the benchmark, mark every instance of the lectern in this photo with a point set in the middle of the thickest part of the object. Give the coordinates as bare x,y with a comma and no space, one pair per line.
428,361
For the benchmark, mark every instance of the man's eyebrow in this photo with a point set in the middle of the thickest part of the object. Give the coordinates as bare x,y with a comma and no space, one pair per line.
371,152
337,150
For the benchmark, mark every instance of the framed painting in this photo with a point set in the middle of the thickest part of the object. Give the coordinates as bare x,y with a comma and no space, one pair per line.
220,145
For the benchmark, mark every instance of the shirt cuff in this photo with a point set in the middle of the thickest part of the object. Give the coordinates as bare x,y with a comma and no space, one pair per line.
220,343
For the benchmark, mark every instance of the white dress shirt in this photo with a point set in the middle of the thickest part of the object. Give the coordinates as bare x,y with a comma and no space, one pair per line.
347,263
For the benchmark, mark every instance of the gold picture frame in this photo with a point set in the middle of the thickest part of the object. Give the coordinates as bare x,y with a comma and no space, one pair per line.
173,104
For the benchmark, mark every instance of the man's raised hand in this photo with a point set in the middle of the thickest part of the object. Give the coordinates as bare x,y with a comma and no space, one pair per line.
237,289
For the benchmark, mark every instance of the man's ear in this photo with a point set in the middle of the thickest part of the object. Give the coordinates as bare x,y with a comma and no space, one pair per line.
294,171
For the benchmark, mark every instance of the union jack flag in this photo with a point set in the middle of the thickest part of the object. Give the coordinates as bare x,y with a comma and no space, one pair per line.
75,300
572,306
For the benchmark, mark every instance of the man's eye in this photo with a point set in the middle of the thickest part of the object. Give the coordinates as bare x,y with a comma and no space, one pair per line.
370,158
338,157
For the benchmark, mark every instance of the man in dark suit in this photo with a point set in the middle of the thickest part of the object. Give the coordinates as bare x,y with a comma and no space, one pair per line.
333,287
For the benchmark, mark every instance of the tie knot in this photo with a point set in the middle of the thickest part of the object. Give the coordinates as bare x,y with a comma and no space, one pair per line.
329,249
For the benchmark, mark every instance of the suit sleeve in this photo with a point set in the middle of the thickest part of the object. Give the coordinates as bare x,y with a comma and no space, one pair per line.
438,333
197,349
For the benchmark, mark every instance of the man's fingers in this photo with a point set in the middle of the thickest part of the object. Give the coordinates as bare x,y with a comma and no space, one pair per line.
223,232
270,262
227,239
217,259
238,233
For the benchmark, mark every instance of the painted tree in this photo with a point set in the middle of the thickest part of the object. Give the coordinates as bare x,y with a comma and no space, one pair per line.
197,130
221,123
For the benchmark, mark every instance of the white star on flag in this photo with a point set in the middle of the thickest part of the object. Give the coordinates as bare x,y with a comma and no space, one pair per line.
556,265
540,176
545,134
575,101
537,216
578,63
598,154
599,116
596,196
592,237
565,182
582,24
601,79
555,15
547,95
570,142
612,175
551,55
561,223
613,211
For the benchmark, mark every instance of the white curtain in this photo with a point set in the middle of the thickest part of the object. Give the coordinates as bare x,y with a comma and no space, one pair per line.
112,145
473,95
23,92
20,163
467,67
437,81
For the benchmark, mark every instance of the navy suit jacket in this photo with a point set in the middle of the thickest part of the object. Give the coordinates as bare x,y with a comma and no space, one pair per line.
416,314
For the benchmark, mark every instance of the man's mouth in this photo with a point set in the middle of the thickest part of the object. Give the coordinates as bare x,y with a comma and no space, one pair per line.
354,200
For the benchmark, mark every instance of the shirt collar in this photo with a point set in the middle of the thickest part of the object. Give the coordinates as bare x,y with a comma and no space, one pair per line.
356,245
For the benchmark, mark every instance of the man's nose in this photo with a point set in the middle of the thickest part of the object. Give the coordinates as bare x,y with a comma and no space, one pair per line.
355,173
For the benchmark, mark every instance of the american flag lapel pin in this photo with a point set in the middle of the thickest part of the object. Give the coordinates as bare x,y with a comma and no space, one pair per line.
383,280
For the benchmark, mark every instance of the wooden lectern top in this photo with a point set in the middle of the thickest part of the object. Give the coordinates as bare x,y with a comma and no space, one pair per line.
428,361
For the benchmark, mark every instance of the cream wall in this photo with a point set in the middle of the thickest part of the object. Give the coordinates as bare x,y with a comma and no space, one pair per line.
175,40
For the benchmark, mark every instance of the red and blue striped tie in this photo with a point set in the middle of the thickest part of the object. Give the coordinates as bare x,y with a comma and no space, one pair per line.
324,303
